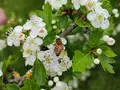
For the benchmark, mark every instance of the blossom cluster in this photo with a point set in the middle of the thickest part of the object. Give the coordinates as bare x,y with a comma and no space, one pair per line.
30,36
71,84
97,15
54,63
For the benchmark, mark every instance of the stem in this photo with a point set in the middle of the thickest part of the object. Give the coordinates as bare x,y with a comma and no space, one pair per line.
68,30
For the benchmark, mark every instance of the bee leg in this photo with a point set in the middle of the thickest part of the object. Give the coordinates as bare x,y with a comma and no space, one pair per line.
13,80
20,83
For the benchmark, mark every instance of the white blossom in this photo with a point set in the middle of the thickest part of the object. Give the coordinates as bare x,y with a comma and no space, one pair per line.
92,4
15,37
30,60
99,18
18,29
54,64
34,22
36,27
78,3
56,4
42,32
31,47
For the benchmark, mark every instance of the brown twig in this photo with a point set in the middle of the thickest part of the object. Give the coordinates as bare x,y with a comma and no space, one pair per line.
68,30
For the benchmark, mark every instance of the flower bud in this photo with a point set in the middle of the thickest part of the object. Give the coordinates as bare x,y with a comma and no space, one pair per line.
96,61
53,21
99,51
111,41
105,38
54,27
56,79
50,82
116,15
59,73
114,11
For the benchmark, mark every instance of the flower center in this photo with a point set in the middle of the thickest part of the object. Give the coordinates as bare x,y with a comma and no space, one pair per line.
28,51
31,41
100,18
47,59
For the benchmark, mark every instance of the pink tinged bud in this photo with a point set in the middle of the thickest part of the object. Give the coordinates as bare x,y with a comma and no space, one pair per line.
3,17
21,36
41,31
111,41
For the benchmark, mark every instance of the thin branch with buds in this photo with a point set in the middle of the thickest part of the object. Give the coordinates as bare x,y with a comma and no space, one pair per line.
68,30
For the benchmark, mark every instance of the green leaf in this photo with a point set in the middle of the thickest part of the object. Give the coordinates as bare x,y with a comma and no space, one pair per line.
39,73
12,87
37,88
62,22
94,39
107,5
108,51
81,62
50,38
105,62
2,85
1,64
46,15
8,62
82,23
30,85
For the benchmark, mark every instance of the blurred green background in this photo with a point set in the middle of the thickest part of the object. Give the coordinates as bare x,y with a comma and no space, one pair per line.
99,80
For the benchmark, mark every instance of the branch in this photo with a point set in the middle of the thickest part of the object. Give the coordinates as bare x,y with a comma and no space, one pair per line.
68,30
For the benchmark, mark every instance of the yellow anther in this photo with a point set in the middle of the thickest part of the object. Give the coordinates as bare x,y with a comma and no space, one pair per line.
16,75
28,75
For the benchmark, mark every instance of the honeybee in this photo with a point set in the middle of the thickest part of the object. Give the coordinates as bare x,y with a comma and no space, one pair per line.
58,46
